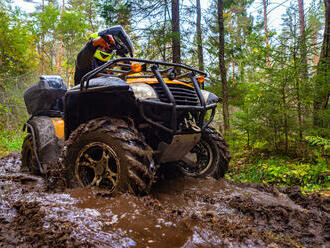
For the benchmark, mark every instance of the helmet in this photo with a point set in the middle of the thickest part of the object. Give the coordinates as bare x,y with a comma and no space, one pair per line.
100,54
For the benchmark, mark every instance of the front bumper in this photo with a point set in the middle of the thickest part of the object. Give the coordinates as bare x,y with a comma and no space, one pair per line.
174,111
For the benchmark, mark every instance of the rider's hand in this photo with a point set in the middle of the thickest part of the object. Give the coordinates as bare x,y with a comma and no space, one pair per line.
122,51
104,41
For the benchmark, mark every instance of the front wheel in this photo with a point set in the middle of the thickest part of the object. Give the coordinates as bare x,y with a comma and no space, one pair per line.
108,153
210,157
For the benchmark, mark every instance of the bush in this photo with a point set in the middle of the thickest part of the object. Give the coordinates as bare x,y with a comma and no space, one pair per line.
10,141
281,171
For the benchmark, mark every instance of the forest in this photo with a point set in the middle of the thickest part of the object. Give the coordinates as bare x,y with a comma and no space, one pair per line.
267,59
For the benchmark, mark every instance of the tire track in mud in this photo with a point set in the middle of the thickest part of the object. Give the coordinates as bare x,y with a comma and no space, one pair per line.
179,212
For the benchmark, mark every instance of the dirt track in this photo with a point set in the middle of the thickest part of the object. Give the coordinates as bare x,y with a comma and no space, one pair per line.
181,212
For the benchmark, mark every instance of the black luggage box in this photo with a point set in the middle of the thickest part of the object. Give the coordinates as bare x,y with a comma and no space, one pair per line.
46,96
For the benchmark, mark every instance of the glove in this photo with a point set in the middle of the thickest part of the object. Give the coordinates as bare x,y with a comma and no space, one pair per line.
123,44
122,51
105,41
108,39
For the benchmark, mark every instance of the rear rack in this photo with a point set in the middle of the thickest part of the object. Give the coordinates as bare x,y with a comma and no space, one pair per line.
158,70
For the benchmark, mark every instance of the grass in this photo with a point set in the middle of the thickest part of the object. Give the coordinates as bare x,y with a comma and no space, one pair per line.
307,168
282,171
10,140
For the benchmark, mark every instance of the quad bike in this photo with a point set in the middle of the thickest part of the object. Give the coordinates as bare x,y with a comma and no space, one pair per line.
127,119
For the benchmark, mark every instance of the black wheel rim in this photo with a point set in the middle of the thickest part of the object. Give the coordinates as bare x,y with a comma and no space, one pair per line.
198,160
97,165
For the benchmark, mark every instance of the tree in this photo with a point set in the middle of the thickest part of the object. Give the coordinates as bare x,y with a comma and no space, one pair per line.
176,43
302,37
199,36
322,87
72,29
222,67
89,10
116,12
18,62
152,29
303,59
17,51
265,3
45,21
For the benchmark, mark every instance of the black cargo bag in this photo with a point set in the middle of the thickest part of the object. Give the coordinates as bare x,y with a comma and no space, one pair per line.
46,96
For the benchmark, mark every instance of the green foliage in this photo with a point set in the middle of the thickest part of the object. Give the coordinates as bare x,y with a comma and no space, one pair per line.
17,55
283,172
274,104
320,146
319,141
72,31
88,9
55,28
12,108
10,141
116,12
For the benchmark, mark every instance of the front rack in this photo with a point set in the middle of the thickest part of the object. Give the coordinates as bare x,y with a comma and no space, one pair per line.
158,70
171,70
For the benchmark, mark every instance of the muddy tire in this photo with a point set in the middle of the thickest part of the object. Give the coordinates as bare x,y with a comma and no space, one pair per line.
108,153
210,157
29,162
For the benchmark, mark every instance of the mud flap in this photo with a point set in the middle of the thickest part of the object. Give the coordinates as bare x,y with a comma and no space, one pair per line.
49,146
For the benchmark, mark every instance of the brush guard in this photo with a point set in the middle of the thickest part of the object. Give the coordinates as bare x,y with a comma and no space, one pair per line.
152,70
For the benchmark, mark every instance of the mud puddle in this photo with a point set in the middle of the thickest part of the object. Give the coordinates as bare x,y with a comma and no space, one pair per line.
181,212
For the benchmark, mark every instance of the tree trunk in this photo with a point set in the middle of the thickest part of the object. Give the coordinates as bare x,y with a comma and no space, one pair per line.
316,57
302,38
303,71
233,69
176,47
163,51
285,117
299,110
43,44
265,2
323,77
199,36
223,72
60,47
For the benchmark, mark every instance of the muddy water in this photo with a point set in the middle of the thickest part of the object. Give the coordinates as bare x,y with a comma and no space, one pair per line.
181,212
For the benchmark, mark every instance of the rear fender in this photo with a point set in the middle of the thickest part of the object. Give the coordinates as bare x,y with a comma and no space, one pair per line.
48,135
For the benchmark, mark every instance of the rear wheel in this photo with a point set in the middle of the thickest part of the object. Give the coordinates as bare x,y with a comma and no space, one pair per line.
29,162
109,153
210,156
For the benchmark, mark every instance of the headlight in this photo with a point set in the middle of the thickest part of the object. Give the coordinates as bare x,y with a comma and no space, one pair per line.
142,90
210,97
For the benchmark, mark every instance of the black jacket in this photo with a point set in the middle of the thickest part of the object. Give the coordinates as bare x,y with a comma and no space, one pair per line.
85,62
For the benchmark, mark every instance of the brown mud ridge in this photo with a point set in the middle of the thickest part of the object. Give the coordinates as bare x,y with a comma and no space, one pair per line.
180,212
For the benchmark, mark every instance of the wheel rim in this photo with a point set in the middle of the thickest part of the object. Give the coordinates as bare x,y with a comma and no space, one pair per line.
198,160
97,165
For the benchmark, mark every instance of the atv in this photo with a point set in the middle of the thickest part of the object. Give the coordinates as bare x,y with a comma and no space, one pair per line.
126,120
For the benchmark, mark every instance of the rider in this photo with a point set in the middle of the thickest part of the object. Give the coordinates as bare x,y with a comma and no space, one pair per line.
99,49
96,52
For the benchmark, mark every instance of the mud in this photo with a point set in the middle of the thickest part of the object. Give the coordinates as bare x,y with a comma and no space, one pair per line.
179,212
